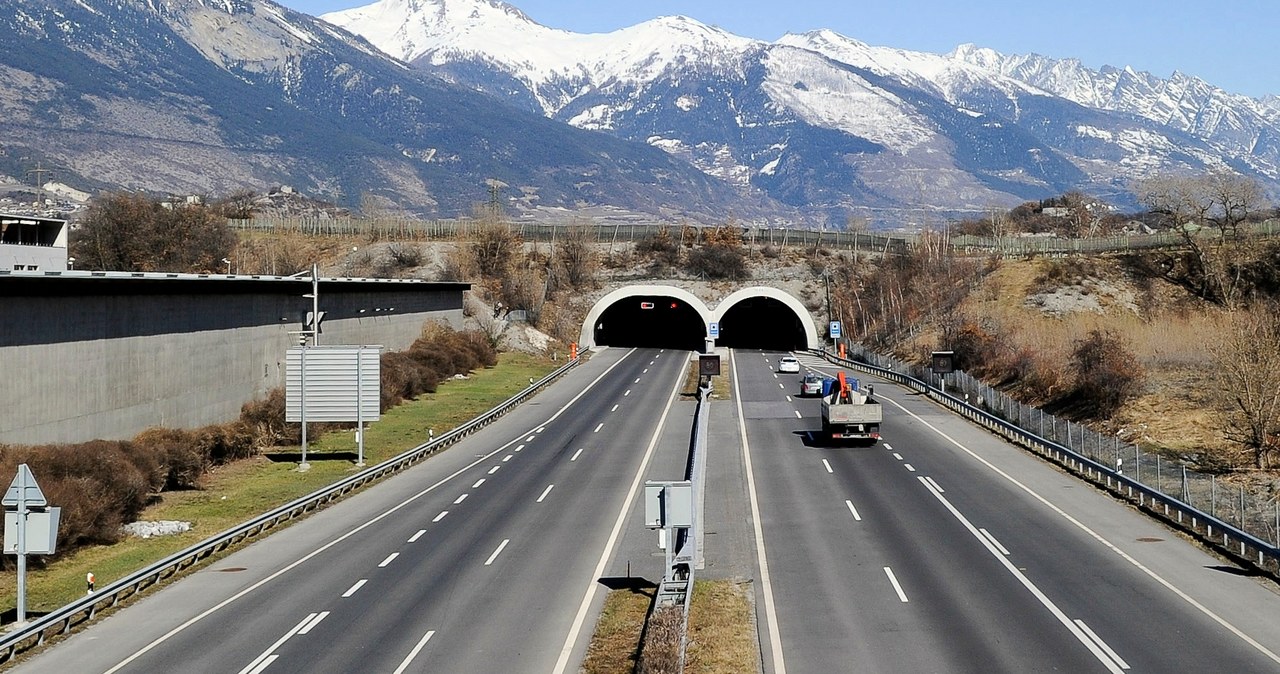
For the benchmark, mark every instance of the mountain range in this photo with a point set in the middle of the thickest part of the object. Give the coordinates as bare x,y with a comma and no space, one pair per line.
430,107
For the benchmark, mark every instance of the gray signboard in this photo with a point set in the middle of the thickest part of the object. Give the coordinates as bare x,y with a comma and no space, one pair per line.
342,383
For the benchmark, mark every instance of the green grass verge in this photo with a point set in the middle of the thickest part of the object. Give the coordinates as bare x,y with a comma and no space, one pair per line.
237,492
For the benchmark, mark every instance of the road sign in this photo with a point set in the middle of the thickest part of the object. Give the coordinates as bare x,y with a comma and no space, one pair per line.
24,486
709,365
713,329
834,330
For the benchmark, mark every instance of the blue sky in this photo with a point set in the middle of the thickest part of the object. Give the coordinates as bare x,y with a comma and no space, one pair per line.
1232,43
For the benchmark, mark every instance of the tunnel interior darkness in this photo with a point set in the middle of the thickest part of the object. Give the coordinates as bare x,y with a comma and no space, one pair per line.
762,323
651,321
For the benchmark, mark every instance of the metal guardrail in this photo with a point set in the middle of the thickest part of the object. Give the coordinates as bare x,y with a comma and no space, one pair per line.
63,620
1208,528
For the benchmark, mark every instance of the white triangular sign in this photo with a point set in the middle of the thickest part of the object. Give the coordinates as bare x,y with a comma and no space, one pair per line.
24,484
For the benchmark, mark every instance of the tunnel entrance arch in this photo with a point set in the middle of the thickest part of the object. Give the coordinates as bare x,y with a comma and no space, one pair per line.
648,316
761,317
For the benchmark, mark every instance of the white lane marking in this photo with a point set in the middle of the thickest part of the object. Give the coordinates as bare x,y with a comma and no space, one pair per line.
788,398
766,584
896,587
615,409
1102,644
888,446
391,557
440,516
497,552
566,651
1026,582
519,447
798,415
460,499
627,393
1003,550
935,485
478,483
540,429
355,588
897,456
597,430
910,467
637,381
646,371
828,465
257,664
507,458
1098,537
261,665
528,439
494,470
386,513
414,653
651,362
577,453
775,375
545,492
314,621
853,510
414,538
782,386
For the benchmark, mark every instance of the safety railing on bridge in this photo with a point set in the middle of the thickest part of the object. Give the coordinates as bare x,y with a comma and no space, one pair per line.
1236,520
81,611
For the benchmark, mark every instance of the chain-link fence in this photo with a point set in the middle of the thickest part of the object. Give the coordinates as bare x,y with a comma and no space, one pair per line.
1205,503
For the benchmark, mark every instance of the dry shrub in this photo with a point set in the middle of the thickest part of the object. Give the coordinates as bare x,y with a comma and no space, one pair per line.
263,420
1107,374
660,248
437,355
184,461
280,254
575,257
718,261
494,248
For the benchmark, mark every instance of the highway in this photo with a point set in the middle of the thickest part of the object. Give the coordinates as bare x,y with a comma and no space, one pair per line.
484,558
943,549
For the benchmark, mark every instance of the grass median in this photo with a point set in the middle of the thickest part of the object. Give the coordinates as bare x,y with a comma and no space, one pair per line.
238,491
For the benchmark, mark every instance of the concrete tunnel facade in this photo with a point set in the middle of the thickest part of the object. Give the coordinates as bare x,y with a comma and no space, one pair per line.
671,317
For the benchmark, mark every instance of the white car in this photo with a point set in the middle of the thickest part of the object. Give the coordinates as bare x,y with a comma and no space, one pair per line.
788,364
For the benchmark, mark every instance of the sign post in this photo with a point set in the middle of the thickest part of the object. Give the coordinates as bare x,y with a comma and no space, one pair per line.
24,495
833,329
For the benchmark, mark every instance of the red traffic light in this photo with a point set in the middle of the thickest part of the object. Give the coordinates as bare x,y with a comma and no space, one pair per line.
674,305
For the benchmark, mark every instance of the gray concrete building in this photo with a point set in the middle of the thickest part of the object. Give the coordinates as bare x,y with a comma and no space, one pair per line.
30,243
87,355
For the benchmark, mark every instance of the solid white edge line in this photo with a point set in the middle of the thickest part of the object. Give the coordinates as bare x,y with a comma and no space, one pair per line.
390,558
577,454
440,516
497,552
478,483
1035,591
853,510
766,585
387,513
355,588
414,653
1102,644
893,580
1098,537
262,665
1003,550
253,665
314,621
828,465
545,492
566,651
414,538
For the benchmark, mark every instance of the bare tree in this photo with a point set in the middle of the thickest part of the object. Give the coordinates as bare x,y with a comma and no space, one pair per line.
1248,368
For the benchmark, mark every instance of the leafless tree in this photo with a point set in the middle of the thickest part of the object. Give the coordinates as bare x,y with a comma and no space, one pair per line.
1248,368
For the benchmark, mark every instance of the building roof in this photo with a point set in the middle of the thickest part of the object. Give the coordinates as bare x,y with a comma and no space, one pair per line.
123,282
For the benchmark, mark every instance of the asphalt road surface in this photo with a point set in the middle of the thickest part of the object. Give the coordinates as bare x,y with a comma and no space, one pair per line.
944,549
485,558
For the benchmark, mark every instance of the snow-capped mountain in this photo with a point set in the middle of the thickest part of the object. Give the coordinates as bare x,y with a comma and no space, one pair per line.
208,96
823,121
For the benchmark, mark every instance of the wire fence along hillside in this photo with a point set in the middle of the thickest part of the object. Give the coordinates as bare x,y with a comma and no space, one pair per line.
1249,503
395,229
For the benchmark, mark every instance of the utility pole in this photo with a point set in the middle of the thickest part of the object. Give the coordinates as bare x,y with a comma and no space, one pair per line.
39,172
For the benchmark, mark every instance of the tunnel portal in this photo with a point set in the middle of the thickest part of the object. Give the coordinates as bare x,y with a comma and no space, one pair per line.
651,321
762,323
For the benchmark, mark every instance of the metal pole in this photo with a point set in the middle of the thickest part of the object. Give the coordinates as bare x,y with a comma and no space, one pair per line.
315,305
360,407
303,401
22,545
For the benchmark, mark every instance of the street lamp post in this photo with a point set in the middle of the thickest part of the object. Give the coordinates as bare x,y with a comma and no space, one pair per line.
227,260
